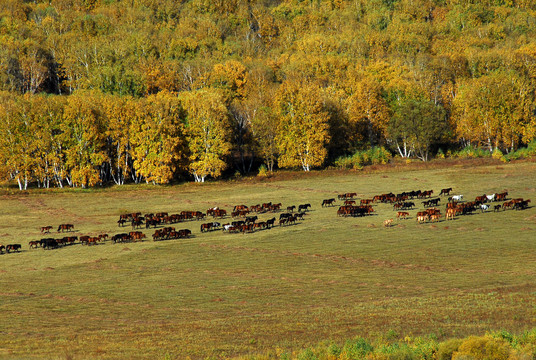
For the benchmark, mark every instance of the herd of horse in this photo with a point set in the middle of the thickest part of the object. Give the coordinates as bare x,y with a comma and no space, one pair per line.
404,201
246,219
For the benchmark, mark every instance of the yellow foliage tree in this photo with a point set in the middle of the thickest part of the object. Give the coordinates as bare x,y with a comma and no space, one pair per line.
208,132
16,141
368,113
303,131
157,138
83,128
494,110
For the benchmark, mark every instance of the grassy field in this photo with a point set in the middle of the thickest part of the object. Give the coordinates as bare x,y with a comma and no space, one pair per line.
218,295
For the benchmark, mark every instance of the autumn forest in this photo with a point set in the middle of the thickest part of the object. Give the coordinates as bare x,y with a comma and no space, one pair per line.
99,92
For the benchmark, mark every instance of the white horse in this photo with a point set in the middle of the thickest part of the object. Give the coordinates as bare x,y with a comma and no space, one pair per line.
457,198
491,197
484,207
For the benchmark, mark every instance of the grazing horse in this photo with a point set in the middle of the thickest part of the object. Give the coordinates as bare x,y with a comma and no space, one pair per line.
299,215
481,199
501,196
49,243
34,244
497,207
388,223
402,214
508,204
65,227
251,219
450,214
212,210
184,233
522,205
328,202
427,193
484,207
270,222
422,216
206,227
13,247
445,191
260,225
228,227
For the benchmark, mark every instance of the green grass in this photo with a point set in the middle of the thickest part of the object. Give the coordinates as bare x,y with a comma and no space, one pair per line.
221,295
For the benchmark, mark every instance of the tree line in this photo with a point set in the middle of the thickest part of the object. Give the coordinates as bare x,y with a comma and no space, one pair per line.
100,91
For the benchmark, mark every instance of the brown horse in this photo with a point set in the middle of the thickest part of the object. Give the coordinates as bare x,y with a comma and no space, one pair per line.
46,229
65,227
34,244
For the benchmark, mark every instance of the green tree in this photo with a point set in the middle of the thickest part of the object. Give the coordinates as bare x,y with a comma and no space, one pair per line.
416,125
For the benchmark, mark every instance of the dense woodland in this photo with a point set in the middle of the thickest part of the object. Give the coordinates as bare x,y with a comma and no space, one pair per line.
102,91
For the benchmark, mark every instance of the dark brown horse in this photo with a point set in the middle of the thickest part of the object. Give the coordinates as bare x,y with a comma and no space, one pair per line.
328,202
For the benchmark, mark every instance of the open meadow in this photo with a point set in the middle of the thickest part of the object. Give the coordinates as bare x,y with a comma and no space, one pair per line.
219,295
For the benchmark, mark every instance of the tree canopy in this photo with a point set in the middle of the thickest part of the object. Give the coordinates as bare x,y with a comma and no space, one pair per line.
96,91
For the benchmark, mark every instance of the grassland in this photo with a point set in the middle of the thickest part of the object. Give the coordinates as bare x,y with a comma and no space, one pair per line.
219,295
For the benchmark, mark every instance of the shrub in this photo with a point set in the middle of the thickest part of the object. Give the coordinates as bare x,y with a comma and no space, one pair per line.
397,351
447,348
497,154
344,162
356,349
334,351
379,155
263,171
470,152
307,354
523,153
482,348
373,156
